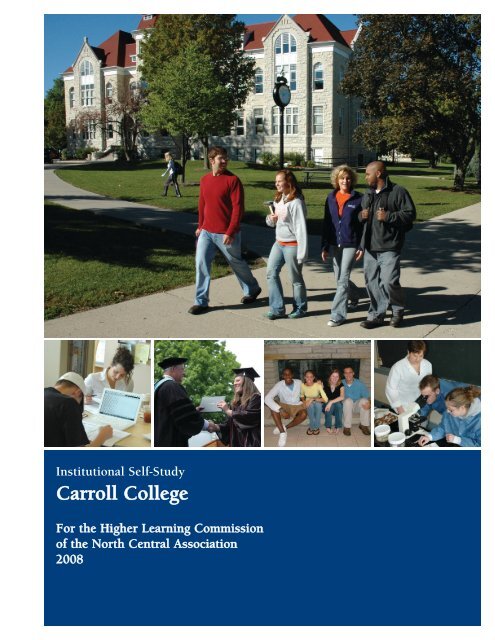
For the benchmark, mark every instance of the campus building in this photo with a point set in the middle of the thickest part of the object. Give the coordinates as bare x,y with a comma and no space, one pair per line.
309,50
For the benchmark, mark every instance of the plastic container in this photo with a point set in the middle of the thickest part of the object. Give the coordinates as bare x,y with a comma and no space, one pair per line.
397,440
382,432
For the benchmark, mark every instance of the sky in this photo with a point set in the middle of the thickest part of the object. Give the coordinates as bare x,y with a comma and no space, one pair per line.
64,34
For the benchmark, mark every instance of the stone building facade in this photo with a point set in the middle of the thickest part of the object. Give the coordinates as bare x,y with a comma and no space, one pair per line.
308,49
320,121
320,355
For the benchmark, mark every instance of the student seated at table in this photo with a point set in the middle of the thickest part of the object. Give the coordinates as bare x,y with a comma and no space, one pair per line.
117,376
402,386
461,422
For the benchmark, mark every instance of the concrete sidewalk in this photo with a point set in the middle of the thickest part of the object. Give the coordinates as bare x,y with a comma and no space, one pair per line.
440,274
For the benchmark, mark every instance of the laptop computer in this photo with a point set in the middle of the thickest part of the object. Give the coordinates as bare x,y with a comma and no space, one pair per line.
119,409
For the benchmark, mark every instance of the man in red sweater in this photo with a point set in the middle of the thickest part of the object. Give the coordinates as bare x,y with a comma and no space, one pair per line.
221,207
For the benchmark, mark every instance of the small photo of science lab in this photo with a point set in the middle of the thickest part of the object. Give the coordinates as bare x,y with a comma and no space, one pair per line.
317,393
427,393
97,393
207,393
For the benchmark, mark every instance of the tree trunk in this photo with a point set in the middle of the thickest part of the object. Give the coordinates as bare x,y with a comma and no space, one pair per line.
204,142
462,163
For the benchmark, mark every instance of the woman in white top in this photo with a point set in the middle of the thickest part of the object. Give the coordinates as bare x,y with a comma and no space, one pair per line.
117,376
288,216
402,386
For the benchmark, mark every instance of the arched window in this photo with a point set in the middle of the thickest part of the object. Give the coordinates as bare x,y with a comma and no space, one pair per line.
87,84
109,91
318,77
71,97
86,68
258,80
285,43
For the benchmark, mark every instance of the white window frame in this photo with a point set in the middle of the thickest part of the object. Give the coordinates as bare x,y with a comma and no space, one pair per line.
259,83
318,69
317,119
72,97
239,128
258,120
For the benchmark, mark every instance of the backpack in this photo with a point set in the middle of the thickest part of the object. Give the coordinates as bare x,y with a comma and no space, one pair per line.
178,168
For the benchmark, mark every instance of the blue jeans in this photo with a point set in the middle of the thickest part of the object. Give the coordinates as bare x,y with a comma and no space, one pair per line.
335,410
206,248
343,261
280,255
382,275
314,414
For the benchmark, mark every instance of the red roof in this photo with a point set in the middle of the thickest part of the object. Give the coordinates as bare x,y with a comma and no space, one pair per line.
147,24
349,35
319,26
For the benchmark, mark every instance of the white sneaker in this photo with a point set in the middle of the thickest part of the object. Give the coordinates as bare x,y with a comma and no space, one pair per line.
282,439
276,432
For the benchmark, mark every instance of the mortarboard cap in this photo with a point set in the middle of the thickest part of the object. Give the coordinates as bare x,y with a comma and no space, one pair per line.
171,362
247,371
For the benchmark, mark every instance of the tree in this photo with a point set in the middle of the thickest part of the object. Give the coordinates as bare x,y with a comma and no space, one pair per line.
209,367
122,115
418,78
55,131
187,99
219,38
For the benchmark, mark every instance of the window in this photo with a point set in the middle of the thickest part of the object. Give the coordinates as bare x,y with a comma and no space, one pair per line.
258,81
359,118
341,121
292,78
259,122
275,121
71,97
110,130
341,74
291,120
285,43
317,119
318,77
86,68
89,131
239,123
133,58
109,92
87,95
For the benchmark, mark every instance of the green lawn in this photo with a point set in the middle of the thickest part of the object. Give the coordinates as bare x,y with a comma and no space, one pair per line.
431,189
92,261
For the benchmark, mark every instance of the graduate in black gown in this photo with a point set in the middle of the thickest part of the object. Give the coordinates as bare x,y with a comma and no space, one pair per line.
175,416
243,425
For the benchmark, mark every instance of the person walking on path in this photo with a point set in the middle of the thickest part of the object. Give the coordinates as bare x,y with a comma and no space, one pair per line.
288,216
341,236
389,212
221,207
172,175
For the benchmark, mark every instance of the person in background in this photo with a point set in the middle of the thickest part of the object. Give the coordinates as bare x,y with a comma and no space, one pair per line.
220,209
175,416
404,377
357,399
289,406
63,415
335,393
243,425
341,237
388,213
461,422
171,170
117,376
288,216
313,396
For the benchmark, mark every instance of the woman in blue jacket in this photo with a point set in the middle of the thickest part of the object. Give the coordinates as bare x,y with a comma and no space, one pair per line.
342,233
461,422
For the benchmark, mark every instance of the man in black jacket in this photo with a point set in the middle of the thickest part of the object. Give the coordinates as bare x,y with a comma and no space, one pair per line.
388,212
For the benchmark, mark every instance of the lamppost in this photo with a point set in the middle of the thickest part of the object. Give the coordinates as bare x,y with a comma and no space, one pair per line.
281,96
